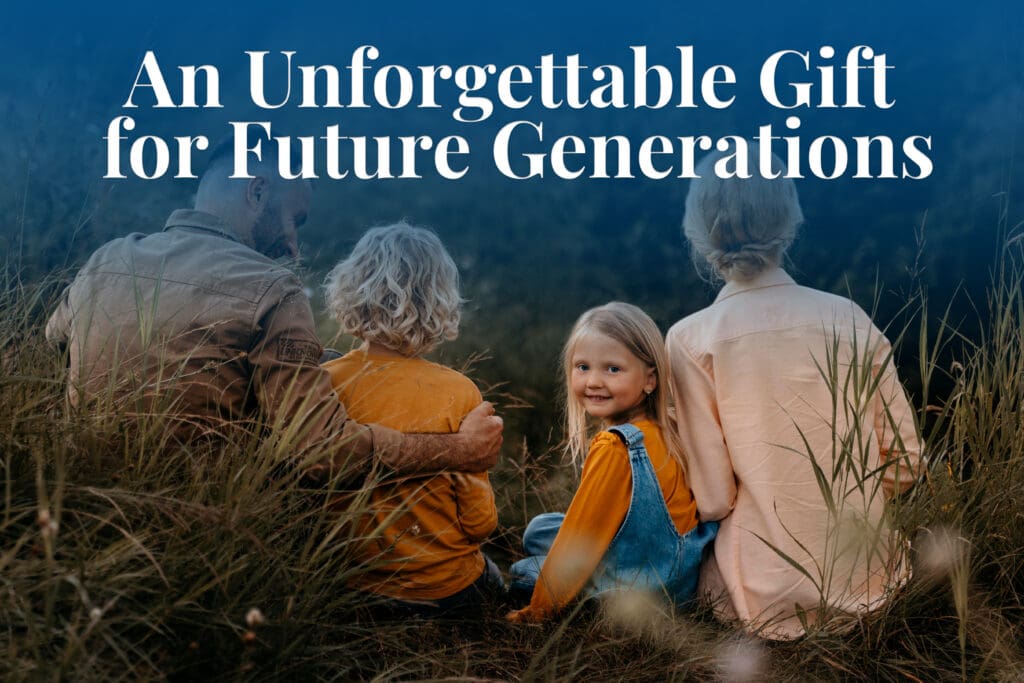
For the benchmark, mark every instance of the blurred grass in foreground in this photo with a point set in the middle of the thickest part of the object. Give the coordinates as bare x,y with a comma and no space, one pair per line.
131,562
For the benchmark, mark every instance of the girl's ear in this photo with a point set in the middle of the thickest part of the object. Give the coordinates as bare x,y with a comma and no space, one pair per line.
651,383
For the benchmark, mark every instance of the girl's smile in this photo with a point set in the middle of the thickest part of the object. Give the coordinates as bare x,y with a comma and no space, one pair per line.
608,379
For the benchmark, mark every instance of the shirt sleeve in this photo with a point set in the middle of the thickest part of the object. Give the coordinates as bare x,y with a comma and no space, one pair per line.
898,442
710,470
295,393
58,327
474,498
591,522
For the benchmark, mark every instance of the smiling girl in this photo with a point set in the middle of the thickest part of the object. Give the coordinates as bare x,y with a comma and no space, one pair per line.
632,524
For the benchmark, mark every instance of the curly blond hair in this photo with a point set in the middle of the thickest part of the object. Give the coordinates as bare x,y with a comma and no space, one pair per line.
398,288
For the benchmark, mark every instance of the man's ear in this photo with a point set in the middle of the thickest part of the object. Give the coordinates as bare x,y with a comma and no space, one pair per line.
257,192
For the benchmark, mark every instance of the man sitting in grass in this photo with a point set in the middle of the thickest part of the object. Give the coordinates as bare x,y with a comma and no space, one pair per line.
199,325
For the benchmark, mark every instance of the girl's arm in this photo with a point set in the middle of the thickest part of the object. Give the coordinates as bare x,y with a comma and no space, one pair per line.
474,500
710,470
591,522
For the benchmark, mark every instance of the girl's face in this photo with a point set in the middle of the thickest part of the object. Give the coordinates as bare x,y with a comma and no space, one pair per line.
607,379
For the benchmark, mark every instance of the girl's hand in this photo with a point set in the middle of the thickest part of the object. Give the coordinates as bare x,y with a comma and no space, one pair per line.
524,616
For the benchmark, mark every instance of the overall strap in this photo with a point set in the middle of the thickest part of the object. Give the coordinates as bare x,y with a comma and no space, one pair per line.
644,552
632,435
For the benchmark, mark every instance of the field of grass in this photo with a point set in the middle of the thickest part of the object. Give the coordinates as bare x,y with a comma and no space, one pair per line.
120,560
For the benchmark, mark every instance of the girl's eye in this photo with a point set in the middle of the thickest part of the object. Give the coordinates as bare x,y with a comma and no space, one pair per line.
613,368
582,367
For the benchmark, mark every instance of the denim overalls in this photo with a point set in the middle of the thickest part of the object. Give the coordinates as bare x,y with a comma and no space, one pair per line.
647,553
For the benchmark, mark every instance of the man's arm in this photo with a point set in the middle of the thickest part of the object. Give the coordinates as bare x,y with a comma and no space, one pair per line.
295,394
299,404
474,448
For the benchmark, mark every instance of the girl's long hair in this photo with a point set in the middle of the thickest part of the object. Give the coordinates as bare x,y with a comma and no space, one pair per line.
634,329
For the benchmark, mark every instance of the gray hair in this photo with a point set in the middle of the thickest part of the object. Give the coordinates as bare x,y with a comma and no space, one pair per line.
399,288
740,226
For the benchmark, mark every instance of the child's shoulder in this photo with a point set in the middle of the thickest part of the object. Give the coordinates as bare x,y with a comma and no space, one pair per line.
446,375
607,440
649,430
410,372
357,358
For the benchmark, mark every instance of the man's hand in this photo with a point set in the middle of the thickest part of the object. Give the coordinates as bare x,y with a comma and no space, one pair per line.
474,448
480,431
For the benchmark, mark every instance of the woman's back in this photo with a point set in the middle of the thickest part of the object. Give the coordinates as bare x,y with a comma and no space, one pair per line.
768,375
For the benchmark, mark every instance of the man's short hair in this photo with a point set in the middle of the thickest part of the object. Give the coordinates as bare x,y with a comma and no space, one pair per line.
223,152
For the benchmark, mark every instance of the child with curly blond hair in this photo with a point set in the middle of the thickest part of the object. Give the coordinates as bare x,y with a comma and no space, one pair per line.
398,291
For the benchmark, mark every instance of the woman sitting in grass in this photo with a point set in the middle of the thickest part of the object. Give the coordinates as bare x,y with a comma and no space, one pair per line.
795,426
398,292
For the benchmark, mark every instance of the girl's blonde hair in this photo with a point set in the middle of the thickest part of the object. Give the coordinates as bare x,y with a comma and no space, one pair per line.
399,288
634,329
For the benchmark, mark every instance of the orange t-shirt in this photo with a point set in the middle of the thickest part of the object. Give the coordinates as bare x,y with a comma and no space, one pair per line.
423,532
598,510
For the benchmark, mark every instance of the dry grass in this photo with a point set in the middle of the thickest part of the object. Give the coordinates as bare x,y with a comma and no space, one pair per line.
121,560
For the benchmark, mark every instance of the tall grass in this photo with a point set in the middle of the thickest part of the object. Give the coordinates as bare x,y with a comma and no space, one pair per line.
124,559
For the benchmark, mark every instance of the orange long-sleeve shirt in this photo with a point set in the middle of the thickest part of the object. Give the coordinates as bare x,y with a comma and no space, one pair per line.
596,513
423,532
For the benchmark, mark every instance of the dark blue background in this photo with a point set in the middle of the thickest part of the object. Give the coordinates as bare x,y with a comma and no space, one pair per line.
534,254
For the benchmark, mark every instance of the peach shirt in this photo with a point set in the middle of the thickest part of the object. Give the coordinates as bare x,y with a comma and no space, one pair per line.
748,378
